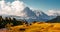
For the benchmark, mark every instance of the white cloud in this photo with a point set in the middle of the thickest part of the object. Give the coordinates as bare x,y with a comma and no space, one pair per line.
53,12
14,8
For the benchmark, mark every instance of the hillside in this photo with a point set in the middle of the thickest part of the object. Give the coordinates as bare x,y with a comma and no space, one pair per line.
55,20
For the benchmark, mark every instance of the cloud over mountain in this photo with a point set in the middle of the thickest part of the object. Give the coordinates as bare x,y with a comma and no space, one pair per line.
18,8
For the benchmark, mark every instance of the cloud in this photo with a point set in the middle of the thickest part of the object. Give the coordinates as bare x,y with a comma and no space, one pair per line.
14,8
53,12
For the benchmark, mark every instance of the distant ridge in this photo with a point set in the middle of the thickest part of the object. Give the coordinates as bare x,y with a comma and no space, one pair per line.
55,20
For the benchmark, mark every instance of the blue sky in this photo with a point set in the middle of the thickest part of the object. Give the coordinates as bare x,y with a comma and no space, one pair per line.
42,4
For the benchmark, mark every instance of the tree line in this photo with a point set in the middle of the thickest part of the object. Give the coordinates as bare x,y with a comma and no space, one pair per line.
4,22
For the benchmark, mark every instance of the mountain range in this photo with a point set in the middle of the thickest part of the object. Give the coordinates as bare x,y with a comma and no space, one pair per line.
32,15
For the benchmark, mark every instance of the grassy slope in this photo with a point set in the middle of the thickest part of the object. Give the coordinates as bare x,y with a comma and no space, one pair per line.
37,27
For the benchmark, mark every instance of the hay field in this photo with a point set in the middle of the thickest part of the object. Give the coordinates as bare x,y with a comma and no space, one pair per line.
36,27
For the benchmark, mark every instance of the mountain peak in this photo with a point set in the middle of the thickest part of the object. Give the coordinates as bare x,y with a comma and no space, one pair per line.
29,12
26,8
